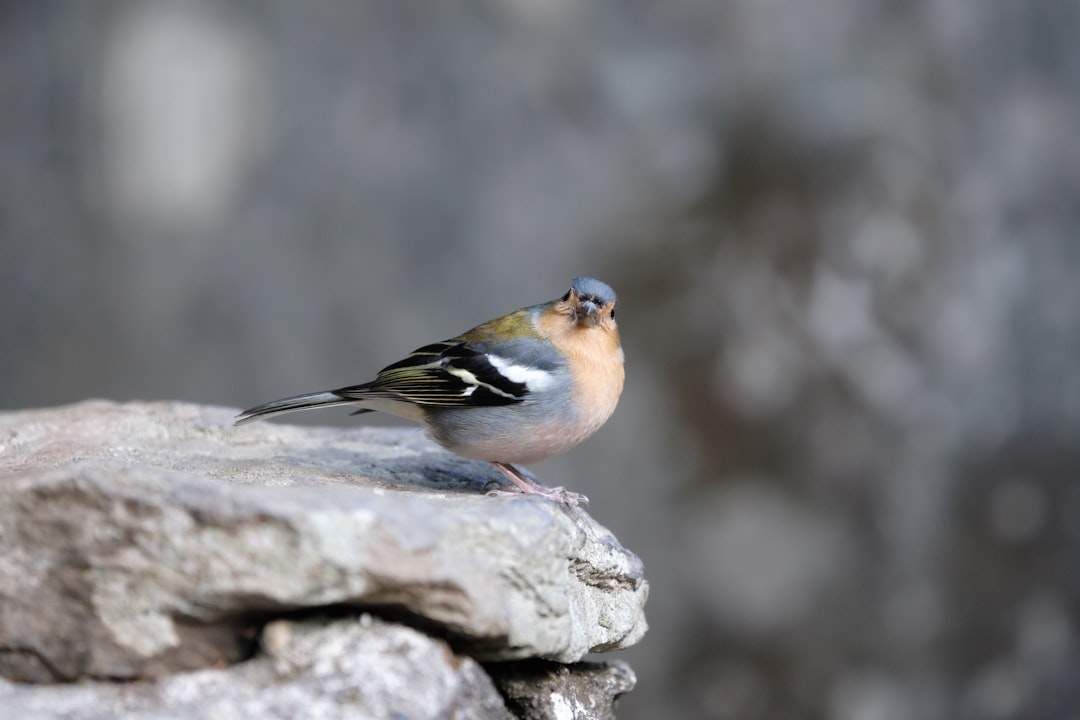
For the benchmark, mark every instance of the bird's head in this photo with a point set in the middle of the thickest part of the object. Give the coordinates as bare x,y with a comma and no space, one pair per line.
589,303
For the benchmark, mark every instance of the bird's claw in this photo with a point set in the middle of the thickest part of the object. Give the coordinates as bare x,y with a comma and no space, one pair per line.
558,494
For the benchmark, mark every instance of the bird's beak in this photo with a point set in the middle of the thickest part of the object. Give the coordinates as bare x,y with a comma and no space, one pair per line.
586,312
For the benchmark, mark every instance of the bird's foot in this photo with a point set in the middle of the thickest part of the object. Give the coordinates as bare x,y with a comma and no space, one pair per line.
558,494
526,486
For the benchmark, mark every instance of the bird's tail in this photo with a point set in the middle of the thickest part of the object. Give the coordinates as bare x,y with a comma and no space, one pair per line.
291,404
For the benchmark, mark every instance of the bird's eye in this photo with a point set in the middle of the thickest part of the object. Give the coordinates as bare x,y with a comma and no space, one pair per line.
613,313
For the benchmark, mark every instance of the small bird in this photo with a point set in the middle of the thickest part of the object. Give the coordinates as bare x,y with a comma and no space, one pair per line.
517,389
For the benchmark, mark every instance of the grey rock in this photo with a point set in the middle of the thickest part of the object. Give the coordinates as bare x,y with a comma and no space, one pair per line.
538,690
145,538
357,668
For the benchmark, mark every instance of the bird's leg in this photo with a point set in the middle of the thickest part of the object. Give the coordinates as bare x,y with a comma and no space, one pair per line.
529,487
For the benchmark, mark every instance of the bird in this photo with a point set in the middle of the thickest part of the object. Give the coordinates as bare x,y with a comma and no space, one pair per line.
517,389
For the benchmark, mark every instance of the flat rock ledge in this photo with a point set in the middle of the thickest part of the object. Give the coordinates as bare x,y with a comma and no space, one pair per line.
155,542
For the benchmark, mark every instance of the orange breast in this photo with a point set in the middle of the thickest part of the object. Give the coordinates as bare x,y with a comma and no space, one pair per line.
596,361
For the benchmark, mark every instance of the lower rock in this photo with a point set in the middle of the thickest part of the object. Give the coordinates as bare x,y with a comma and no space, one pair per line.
362,668
537,690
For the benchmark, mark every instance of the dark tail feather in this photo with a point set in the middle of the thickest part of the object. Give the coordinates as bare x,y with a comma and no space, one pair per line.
291,404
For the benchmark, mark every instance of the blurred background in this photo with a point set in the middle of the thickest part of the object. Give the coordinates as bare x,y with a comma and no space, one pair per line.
844,235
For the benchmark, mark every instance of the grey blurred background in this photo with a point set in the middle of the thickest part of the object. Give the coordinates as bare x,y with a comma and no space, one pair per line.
844,235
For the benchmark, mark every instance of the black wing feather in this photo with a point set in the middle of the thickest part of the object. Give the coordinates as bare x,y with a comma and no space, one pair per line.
446,374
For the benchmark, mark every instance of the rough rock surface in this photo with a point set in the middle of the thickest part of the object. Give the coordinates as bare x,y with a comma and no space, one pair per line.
144,538
344,669
537,689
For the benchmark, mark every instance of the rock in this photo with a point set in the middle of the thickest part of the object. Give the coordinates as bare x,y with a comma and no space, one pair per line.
145,538
538,690
342,669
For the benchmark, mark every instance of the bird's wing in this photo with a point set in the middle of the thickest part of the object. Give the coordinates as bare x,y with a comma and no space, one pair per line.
452,373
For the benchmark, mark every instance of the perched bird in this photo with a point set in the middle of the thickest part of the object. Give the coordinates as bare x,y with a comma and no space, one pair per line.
517,389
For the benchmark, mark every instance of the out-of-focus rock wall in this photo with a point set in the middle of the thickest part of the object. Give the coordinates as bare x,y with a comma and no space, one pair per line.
844,235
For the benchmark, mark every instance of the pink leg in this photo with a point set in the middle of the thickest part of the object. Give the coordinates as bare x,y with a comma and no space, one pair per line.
528,487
